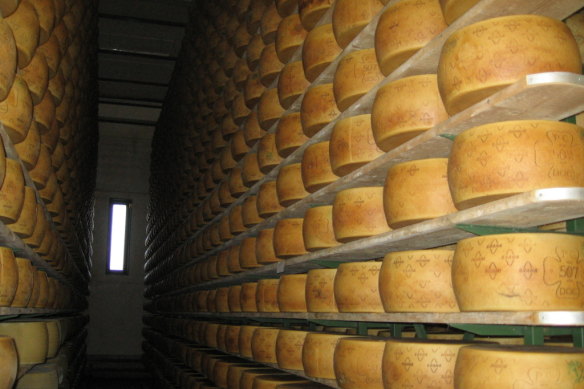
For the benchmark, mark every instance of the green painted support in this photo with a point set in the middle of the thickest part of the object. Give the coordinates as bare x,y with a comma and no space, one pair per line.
396,330
327,264
490,329
575,226
578,336
8,317
468,337
420,331
362,328
448,136
334,323
533,336
490,230
570,119
311,326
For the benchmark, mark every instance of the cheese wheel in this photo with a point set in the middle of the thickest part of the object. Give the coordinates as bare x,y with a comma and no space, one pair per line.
43,169
320,296
254,15
253,90
356,287
222,300
291,83
39,229
250,212
247,254
405,108
317,228
52,54
417,281
291,294
268,203
576,25
40,377
471,61
289,186
224,230
236,220
25,224
54,337
239,110
518,272
254,51
421,364
415,191
351,16
318,354
224,194
221,331
248,301
233,260
9,59
226,161
316,167
399,33
265,247
239,147
352,144
8,276
16,111
232,338
269,65
251,172
252,130
241,39
453,9
202,297
358,363
273,381
236,187
311,385
356,74
235,372
212,305
285,7
234,298
36,76
269,108
319,50
267,295
288,240
248,377
358,213
289,37
268,157
241,70
498,160
289,134
25,283
24,24
31,340
46,12
311,11
269,24
499,366
8,362
263,344
245,339
7,7
29,149
318,108
210,337
44,114
12,193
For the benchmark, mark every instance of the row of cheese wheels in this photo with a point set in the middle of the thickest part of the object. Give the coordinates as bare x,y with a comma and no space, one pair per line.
370,362
35,349
399,99
219,371
46,111
502,272
22,285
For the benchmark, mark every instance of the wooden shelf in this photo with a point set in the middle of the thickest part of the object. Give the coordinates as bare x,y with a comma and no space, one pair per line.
8,311
550,96
423,62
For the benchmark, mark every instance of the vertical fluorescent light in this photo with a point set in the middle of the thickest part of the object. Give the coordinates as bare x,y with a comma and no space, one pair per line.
118,237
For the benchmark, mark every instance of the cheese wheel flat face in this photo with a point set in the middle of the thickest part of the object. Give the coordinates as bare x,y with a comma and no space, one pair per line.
497,160
289,37
356,74
234,298
9,59
241,39
268,157
30,148
252,130
8,276
415,191
25,283
235,373
311,11
405,108
291,293
289,346
291,83
320,293
285,7
318,354
211,334
519,367
46,12
12,192
358,363
265,247
250,212
417,281
8,362
245,339
263,344
31,339
399,33
36,75
222,300
453,9
254,51
39,229
267,295
24,23
236,187
232,338
288,240
318,108
269,24
54,334
358,213
251,172
7,7
351,16
269,108
220,338
50,49
248,299
319,50
239,147
316,167
236,221
289,134
44,114
268,203
356,287
420,364
289,185
239,109
317,228
274,381
519,272
247,254
473,66
269,65
253,91
16,111
212,304
233,261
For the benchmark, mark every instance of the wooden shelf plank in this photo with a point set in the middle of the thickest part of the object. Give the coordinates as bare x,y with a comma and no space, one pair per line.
528,318
8,311
550,96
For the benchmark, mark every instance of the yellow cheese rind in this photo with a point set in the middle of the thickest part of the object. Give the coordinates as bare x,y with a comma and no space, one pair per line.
357,287
289,346
319,50
351,16
8,362
263,344
288,240
267,295
289,185
318,108
317,228
358,363
316,167
318,354
8,276
292,293
320,293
